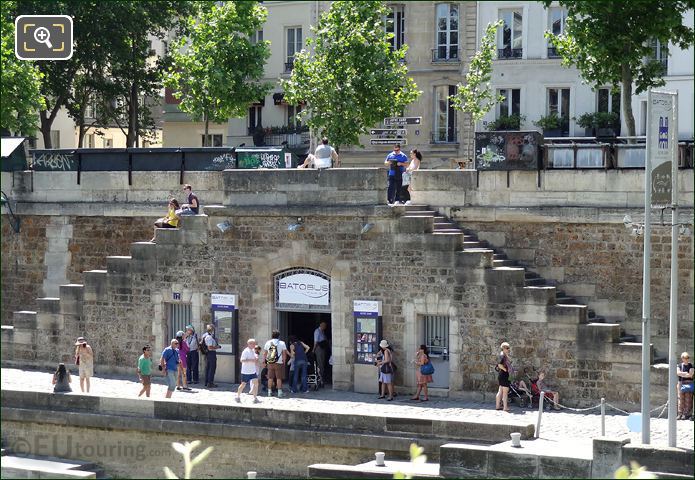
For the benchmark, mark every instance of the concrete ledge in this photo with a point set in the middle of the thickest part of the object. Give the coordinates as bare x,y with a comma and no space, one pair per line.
370,470
672,460
28,467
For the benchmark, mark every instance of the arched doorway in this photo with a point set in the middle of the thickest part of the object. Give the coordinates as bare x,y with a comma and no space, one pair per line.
302,303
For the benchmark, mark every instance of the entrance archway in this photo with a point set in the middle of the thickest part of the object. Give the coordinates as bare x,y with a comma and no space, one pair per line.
302,303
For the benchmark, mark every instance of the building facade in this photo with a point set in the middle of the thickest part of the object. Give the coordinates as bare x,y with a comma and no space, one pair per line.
528,73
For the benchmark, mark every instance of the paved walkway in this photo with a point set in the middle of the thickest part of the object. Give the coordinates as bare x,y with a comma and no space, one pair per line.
555,426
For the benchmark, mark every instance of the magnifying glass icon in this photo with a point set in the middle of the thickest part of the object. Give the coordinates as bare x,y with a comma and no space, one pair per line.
42,35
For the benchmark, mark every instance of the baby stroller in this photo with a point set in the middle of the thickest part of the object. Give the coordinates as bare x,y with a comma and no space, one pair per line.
313,376
519,394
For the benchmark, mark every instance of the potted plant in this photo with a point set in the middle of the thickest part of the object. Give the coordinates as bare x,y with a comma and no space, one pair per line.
606,124
507,122
588,122
553,125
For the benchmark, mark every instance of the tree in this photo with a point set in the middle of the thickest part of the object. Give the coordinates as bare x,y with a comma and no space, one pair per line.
609,42
216,69
20,81
353,78
474,96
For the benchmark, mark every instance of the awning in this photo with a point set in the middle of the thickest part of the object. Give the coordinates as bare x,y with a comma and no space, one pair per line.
9,145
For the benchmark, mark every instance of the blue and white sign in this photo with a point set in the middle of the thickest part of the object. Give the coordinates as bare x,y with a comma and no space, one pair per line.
662,142
304,289
223,301
366,308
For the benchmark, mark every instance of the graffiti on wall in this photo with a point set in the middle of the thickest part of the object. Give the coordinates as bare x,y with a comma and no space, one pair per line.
54,161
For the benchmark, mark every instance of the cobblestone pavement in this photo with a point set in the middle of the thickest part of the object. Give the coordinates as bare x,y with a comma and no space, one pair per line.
562,425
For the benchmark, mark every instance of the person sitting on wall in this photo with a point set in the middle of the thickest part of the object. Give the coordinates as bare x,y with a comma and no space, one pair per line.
326,156
170,221
309,162
192,206
61,380
539,385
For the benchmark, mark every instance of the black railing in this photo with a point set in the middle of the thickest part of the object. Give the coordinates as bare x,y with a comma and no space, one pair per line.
446,55
289,66
552,52
507,53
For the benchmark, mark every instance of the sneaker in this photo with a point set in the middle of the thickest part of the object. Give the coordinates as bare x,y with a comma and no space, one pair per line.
407,203
237,399
255,400
179,388
270,393
281,394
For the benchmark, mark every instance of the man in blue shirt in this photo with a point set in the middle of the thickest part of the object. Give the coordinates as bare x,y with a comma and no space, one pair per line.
170,363
396,161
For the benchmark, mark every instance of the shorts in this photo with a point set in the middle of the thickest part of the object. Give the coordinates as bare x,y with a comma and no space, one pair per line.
276,371
86,371
386,377
171,381
247,377
146,380
503,379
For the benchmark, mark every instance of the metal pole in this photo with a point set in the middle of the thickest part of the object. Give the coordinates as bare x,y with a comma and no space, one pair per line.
646,279
673,314
603,417
540,413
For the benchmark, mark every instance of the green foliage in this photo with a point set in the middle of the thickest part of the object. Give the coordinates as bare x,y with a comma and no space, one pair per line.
598,120
186,449
20,81
552,121
351,79
609,42
216,69
416,456
475,95
635,471
507,122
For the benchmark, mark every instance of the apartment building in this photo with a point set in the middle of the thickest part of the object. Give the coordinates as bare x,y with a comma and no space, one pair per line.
529,75
441,37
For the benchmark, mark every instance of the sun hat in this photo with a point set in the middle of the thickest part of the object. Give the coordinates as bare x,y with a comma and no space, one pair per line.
80,341
384,344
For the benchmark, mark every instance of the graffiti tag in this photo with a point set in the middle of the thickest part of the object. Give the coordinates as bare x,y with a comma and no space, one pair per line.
54,161
269,160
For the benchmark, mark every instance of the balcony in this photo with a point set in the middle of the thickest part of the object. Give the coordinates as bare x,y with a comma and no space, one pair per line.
552,52
509,53
446,55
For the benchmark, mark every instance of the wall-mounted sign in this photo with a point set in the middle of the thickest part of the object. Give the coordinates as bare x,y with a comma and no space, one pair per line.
402,121
223,301
388,132
303,289
176,296
388,141
366,308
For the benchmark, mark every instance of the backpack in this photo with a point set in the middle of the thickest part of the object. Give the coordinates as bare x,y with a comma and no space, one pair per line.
272,356
202,346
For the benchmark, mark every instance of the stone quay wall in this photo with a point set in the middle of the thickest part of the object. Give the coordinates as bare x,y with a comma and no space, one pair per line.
119,301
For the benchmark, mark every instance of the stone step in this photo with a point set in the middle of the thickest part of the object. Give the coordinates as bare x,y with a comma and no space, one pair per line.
48,305
119,264
421,213
534,281
629,338
45,467
503,263
24,319
370,470
574,314
566,301
95,284
415,208
448,230
530,274
499,256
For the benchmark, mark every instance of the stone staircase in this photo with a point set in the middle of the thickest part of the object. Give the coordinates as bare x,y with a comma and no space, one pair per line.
533,283
32,466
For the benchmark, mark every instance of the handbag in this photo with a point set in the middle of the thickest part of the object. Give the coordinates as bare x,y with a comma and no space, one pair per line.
77,359
406,179
386,368
427,369
688,387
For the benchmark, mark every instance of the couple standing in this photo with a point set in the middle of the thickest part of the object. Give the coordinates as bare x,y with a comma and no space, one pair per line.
400,170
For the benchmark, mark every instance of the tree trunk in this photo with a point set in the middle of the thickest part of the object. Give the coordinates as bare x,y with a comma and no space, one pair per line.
47,123
471,143
206,140
80,134
626,100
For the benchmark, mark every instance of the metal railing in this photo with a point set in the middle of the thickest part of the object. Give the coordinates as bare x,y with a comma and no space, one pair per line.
292,139
576,153
289,66
508,53
445,54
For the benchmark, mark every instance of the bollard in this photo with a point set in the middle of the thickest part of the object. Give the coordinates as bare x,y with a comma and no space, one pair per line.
603,417
540,412
516,439
250,474
379,462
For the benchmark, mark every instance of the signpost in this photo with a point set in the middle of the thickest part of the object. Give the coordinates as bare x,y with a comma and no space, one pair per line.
660,191
402,121
388,132
388,141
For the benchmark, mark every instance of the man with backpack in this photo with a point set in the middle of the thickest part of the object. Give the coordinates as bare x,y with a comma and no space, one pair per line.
274,356
208,346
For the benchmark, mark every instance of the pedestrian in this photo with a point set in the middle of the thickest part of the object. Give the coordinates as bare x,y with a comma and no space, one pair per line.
422,359
192,204
546,389
685,387
170,364
192,358
170,221
249,373
504,369
413,165
274,356
181,375
397,163
145,370
298,351
211,356
84,358
325,156
385,364
321,350
61,380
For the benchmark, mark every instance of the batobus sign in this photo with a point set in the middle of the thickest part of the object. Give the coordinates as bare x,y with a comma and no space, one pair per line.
662,143
304,289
